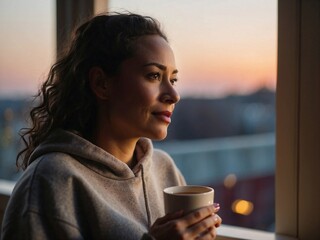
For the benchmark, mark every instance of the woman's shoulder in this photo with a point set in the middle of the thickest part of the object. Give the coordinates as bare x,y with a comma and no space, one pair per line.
52,174
159,154
54,163
162,160
51,168
43,188
165,168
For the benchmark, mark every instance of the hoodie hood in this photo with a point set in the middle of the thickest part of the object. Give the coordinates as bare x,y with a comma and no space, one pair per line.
94,157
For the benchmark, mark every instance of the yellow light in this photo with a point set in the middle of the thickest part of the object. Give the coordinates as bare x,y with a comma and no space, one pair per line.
242,207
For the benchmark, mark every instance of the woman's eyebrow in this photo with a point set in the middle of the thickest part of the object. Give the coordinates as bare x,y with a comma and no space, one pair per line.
160,66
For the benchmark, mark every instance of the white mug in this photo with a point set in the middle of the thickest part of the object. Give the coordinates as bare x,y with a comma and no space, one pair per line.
187,198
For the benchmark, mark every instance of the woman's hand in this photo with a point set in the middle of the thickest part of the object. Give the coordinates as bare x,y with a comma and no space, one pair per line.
199,224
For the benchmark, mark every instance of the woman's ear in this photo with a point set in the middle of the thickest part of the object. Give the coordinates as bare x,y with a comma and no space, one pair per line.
98,82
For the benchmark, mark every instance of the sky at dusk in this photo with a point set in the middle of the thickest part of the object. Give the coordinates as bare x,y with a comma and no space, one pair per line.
221,46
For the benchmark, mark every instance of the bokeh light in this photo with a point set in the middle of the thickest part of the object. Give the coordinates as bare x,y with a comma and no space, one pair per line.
242,207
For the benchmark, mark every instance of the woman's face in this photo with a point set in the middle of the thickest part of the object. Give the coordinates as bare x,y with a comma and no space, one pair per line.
143,94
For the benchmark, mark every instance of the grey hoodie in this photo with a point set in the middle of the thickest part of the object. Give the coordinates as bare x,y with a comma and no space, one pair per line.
73,189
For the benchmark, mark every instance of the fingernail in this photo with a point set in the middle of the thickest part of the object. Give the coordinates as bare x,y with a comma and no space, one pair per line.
216,205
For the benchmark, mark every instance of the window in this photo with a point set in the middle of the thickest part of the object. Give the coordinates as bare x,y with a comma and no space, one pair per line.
222,133
298,129
27,52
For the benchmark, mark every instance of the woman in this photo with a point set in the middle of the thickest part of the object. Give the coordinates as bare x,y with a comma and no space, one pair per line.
90,169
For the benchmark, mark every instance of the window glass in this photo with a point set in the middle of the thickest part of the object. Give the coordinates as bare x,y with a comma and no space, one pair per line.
222,133
27,30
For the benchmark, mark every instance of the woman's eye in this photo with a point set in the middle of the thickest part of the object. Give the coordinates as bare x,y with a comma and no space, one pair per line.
154,76
173,81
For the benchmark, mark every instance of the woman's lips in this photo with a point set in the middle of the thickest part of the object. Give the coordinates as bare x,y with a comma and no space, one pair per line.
163,116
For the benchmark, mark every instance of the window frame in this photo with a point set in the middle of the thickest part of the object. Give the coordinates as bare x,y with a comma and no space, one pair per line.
298,118
297,121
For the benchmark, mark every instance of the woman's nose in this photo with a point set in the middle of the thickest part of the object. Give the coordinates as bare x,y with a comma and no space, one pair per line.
169,94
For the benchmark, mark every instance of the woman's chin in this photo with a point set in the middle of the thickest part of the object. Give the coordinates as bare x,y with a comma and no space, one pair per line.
159,136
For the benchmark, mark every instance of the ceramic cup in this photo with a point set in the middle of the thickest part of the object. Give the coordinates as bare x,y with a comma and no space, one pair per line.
187,198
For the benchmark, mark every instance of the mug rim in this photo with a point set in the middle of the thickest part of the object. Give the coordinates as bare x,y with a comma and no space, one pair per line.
174,190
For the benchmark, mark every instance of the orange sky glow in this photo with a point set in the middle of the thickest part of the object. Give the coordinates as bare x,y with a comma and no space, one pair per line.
222,47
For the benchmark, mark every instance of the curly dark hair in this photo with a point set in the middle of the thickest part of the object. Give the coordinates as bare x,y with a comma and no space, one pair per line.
65,99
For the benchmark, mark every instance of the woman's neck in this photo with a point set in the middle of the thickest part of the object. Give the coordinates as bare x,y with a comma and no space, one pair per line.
122,149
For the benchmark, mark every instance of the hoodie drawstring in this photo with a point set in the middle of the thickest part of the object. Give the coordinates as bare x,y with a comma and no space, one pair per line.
146,197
